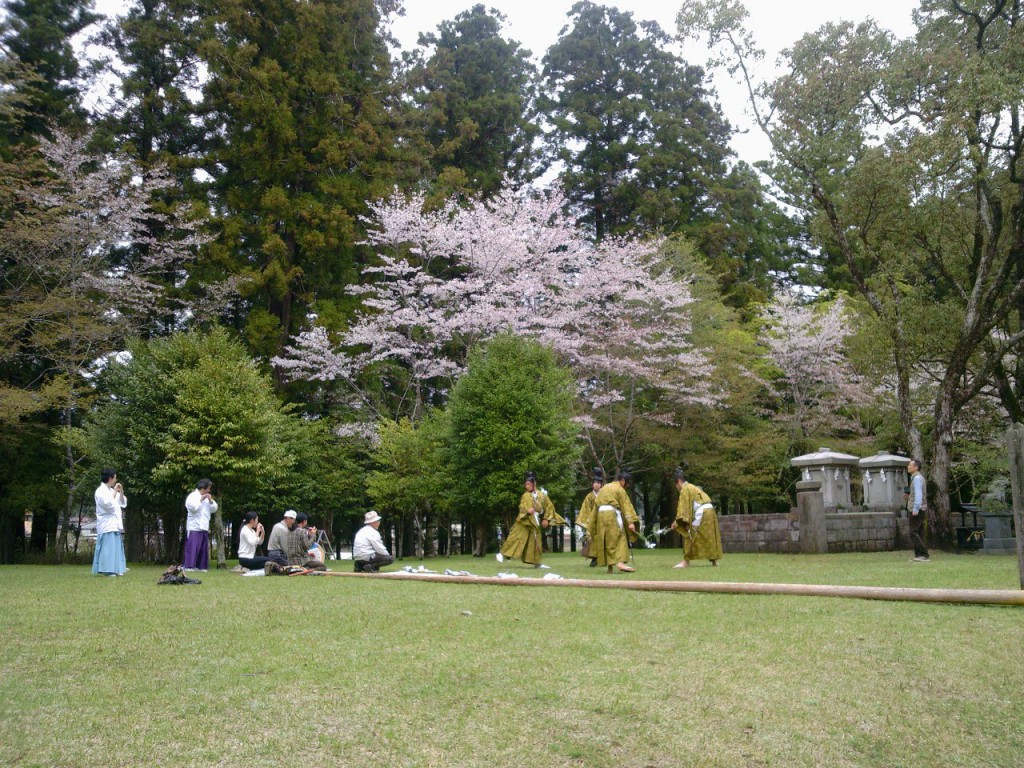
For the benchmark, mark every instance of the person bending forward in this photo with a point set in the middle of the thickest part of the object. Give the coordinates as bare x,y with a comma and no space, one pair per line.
697,523
614,525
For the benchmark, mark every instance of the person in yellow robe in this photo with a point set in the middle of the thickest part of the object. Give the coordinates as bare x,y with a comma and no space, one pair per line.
614,522
588,513
696,522
536,513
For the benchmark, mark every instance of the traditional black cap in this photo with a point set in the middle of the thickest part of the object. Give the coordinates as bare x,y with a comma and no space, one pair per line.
530,477
598,475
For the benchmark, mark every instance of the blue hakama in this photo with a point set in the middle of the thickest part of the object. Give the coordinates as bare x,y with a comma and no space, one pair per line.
109,555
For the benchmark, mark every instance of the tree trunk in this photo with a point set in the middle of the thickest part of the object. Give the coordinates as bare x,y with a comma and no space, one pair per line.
217,528
480,539
12,538
939,517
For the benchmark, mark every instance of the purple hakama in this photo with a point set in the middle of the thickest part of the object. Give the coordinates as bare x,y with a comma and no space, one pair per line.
197,550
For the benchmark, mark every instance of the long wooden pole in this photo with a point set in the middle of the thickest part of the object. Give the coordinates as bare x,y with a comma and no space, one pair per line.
969,596
1015,444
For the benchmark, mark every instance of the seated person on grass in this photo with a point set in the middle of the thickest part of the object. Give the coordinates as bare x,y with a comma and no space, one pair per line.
300,541
368,550
277,547
249,538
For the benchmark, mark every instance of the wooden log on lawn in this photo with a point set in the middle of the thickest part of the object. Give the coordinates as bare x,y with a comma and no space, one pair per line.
910,594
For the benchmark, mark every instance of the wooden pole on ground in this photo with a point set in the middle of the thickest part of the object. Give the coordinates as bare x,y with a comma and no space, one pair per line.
1015,443
969,596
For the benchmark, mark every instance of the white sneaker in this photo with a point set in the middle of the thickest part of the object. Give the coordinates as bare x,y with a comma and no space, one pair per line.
499,557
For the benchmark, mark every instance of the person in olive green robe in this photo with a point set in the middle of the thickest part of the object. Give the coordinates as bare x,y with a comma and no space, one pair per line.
697,523
615,525
587,514
536,513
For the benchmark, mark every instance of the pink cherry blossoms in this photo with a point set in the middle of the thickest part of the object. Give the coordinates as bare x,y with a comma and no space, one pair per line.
449,279
817,384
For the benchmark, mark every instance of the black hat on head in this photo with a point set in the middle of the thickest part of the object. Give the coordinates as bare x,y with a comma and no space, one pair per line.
598,475
530,477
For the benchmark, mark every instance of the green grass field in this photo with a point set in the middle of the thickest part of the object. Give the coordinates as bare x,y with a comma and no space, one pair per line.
314,671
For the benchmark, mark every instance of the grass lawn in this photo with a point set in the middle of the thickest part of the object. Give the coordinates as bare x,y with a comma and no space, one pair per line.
309,671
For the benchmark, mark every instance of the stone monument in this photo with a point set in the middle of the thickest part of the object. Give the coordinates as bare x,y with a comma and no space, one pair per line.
833,471
883,478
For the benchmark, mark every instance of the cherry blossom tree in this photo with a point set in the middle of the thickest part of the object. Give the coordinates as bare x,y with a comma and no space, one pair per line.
80,274
450,278
816,383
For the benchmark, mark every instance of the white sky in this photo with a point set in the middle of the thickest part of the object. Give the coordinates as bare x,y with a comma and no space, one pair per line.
777,24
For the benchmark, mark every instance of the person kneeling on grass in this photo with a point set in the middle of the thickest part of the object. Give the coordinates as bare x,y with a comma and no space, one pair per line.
368,550
249,538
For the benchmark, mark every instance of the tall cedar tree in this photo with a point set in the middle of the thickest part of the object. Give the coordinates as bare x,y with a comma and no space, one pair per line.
153,118
476,98
37,34
296,95
631,123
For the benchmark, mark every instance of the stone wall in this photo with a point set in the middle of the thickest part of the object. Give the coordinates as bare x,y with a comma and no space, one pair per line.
760,533
861,532
780,533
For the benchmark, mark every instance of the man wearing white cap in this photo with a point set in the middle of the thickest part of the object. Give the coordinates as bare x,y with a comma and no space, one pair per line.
368,550
277,546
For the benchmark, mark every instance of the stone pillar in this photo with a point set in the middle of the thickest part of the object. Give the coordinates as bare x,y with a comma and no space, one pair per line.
810,506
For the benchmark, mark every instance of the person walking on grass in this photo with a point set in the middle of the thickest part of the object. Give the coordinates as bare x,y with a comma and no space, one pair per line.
200,507
917,511
108,558
614,524
696,522
536,513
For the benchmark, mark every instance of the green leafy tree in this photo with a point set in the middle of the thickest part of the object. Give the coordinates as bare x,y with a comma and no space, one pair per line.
511,412
410,474
632,124
296,93
905,155
475,93
188,406
152,117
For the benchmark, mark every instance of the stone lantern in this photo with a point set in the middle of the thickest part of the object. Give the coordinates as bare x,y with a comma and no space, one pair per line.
883,478
833,470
